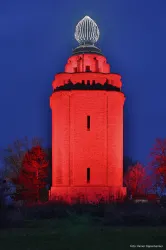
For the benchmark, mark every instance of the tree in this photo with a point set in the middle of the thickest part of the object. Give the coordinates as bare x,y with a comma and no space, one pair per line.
12,158
3,188
3,208
35,169
49,158
128,162
13,155
24,187
158,163
136,180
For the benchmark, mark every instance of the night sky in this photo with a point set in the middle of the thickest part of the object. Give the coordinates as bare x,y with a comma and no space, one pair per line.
36,39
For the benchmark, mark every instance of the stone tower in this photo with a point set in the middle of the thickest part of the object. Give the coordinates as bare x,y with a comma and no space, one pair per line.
87,123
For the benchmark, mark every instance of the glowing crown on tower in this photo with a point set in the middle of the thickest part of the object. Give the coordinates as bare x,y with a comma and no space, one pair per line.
87,31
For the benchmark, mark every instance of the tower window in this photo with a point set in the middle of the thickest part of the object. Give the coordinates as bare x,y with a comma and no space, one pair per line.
75,69
88,122
87,68
88,175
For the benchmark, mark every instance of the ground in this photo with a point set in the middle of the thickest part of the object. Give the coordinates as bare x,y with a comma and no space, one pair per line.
78,233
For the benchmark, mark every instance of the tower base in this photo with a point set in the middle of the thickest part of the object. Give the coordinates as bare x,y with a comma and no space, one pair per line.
87,194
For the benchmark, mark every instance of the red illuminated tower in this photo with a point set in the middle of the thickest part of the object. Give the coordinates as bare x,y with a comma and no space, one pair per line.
87,123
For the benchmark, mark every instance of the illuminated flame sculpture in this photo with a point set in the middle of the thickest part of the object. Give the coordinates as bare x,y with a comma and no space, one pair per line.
87,31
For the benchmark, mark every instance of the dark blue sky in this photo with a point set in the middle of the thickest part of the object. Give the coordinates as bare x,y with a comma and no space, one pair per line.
36,39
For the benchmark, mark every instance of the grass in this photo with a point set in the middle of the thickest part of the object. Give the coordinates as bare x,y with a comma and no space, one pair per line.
78,233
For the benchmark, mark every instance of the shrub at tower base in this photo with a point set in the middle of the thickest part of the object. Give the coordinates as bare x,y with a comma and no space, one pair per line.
84,195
